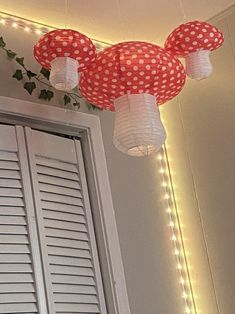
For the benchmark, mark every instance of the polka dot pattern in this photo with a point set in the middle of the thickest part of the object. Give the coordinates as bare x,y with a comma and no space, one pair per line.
134,68
65,43
193,36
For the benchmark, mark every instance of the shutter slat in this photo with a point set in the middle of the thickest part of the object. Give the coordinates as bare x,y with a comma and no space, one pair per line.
76,244
73,289
59,190
10,238
52,250
56,164
21,278
16,287
70,261
15,268
12,165
11,183
12,220
63,208
66,234
57,173
15,258
11,201
17,298
44,178
11,192
8,156
68,270
9,174
63,216
61,199
64,225
14,248
11,210
75,298
13,229
73,280
77,308
25,308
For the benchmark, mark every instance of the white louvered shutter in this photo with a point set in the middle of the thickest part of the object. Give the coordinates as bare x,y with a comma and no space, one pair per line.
21,286
70,259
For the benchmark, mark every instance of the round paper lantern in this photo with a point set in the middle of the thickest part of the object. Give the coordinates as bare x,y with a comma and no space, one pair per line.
133,78
65,52
194,41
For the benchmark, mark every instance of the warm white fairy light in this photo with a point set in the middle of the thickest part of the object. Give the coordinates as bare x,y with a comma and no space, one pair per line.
38,31
14,24
176,234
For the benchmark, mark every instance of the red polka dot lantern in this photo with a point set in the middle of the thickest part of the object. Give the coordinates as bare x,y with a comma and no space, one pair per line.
65,52
194,41
133,78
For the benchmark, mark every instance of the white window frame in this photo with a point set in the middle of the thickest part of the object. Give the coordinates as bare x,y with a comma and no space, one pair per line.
87,127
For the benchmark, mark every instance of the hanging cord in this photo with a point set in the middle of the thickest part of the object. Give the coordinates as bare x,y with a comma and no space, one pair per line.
182,9
66,13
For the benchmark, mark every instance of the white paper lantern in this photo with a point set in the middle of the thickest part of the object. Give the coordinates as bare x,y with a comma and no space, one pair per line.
138,130
198,64
64,73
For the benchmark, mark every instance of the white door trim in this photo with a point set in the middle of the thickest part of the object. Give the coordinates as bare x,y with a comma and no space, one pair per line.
87,127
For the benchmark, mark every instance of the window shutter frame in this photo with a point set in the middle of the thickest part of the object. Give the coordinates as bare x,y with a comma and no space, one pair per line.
88,128
28,207
40,219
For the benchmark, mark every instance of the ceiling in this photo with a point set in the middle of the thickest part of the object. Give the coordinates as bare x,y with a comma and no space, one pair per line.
116,20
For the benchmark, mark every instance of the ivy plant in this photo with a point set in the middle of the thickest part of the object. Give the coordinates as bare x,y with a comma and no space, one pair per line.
30,80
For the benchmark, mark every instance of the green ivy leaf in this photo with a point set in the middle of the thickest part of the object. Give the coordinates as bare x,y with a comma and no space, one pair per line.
67,100
93,107
11,54
46,94
30,86
43,94
50,95
45,73
76,104
2,43
20,61
30,74
18,75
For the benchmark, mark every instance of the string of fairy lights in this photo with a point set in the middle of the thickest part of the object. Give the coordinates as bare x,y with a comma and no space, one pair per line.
33,27
176,233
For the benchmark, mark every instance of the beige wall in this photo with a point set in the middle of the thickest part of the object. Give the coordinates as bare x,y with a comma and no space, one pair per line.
201,147
201,143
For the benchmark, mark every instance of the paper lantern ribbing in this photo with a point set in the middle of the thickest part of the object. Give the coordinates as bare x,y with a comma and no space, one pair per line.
133,78
194,41
65,52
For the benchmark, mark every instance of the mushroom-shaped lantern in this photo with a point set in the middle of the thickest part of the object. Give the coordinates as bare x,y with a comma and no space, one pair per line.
65,52
194,41
133,78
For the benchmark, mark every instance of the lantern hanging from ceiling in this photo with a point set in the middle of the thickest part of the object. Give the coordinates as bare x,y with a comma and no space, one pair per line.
133,79
194,41
65,52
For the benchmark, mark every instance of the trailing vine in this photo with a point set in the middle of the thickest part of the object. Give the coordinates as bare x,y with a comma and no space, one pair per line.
30,85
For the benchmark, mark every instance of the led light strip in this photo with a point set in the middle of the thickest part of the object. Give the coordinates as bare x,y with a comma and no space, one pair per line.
33,27
176,233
